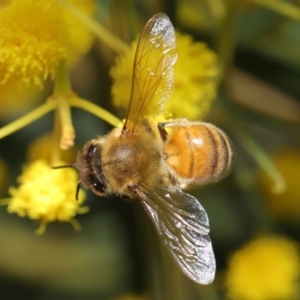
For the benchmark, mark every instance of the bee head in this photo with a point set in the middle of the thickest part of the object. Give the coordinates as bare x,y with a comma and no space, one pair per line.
88,165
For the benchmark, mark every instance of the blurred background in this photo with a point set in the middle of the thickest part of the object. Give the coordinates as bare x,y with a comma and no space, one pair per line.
254,213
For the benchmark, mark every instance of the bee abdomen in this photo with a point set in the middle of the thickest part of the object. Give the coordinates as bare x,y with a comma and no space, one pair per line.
221,158
199,152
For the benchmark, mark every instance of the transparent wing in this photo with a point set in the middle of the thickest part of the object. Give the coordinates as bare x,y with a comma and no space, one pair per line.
183,226
152,82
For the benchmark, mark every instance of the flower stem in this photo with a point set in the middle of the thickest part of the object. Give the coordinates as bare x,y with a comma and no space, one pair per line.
102,33
41,229
96,110
226,38
263,160
28,118
67,129
62,94
256,151
62,80
289,10
76,225
56,150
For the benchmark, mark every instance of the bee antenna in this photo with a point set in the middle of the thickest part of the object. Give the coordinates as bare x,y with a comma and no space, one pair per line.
77,190
70,166
63,166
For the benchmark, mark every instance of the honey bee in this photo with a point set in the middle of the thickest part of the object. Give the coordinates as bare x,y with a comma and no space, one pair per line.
153,162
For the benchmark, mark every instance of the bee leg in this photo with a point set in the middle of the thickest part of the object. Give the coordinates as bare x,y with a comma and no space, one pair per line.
132,192
126,198
162,131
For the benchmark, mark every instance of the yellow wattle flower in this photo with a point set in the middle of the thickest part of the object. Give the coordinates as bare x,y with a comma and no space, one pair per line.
46,195
285,205
195,87
15,99
265,269
35,36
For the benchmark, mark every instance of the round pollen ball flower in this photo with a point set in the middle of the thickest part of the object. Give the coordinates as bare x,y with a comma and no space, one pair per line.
36,36
46,195
16,99
285,205
195,84
265,269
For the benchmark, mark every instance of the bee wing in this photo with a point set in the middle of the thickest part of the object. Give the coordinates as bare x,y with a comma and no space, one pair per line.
183,226
152,82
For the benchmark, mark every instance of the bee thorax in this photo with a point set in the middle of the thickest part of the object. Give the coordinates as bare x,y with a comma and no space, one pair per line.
127,158
125,164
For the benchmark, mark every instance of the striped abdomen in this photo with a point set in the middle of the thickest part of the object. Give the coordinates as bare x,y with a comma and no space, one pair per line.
198,153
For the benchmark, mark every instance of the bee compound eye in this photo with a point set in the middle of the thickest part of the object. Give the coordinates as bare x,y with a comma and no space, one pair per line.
98,185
